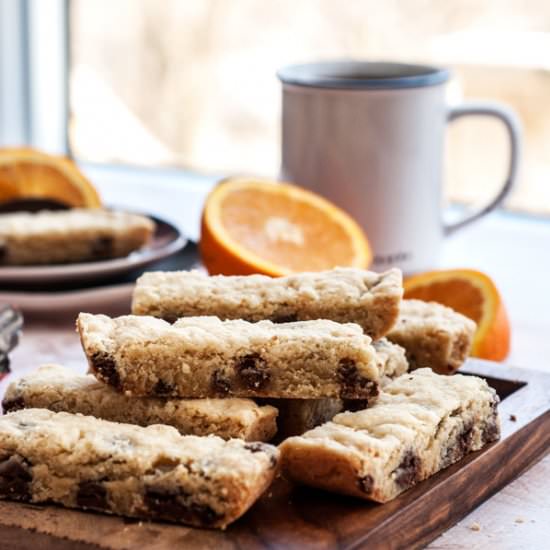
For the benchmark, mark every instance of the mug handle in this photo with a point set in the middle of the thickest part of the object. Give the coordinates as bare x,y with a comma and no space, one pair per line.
513,127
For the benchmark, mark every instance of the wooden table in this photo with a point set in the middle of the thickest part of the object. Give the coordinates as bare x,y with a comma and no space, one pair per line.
512,250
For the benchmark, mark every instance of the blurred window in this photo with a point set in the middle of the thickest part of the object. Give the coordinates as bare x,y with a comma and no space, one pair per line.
192,83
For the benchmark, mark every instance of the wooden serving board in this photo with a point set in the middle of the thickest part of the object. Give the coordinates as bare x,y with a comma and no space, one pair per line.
293,517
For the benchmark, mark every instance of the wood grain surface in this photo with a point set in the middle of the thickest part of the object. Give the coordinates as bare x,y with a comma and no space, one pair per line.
297,517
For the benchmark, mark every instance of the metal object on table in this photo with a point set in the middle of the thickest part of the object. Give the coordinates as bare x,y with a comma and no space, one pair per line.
11,323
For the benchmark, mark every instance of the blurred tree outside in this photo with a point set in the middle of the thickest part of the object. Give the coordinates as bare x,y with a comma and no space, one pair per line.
192,83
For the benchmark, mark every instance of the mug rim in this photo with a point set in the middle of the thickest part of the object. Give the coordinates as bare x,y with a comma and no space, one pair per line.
375,75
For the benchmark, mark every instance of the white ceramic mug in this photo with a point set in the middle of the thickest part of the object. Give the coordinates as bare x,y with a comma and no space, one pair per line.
370,137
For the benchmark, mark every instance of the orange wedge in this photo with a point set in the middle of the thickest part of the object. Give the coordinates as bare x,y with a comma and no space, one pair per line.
261,226
29,174
473,294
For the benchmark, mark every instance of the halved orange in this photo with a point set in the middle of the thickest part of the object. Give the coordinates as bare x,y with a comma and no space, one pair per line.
261,226
473,294
29,174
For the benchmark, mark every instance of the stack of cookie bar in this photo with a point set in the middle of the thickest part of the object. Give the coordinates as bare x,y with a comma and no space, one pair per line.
185,394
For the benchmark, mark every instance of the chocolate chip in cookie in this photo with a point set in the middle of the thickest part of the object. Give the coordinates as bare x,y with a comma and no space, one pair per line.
105,365
366,484
253,371
162,388
220,383
459,446
354,405
170,504
465,439
408,471
15,478
102,247
92,494
11,405
288,318
352,384
258,447
206,515
169,318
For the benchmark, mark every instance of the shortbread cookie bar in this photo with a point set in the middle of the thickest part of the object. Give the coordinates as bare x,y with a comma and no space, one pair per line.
346,295
60,389
206,357
65,236
153,473
433,335
392,360
421,423
297,416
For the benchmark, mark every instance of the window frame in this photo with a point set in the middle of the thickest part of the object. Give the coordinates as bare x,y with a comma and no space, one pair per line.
34,69
14,98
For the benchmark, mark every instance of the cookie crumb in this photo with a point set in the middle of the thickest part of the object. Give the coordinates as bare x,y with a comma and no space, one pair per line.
520,520
475,526
513,417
